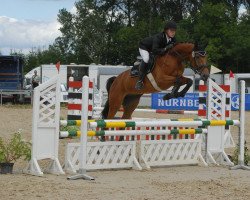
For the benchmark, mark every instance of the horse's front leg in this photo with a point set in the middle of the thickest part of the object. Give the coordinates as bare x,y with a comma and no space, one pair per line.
178,83
174,90
184,81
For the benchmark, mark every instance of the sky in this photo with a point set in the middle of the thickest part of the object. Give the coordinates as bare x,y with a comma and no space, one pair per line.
30,24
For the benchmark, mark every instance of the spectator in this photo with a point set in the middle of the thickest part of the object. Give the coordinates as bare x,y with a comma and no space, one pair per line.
35,80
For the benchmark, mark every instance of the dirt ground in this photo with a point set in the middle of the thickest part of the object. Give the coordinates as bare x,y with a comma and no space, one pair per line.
185,182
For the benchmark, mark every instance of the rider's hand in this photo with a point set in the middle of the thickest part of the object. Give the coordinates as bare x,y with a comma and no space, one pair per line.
169,46
165,49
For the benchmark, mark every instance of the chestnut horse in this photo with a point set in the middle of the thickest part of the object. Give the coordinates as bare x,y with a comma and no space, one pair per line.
167,72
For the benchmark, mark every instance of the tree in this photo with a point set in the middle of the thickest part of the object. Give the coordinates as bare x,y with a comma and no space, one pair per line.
216,28
65,44
108,32
241,49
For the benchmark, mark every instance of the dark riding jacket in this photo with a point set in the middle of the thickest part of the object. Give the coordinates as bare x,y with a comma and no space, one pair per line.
156,44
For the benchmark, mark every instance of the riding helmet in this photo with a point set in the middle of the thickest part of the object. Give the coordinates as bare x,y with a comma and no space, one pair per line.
170,25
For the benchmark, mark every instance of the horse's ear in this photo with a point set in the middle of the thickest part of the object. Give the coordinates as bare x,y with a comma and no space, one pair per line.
205,45
196,46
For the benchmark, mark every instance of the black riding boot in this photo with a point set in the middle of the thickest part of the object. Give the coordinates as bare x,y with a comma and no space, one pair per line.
142,74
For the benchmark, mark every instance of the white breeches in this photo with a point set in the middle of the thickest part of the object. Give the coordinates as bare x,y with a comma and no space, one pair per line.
144,54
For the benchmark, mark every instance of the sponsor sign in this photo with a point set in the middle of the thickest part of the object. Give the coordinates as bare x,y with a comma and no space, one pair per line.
189,102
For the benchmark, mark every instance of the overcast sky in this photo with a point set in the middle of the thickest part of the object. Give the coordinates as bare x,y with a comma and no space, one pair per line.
25,24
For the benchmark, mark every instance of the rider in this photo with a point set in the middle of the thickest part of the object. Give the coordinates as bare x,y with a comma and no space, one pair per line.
158,45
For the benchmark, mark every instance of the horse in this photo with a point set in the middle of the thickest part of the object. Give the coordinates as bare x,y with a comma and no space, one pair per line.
168,71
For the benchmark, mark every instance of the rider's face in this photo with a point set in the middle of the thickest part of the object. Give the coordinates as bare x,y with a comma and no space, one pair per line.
171,32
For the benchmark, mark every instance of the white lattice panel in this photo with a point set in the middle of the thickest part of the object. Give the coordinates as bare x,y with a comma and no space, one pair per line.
217,135
45,127
102,155
47,107
171,152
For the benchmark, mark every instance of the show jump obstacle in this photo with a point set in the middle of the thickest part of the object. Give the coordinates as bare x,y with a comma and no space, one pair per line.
137,154
74,106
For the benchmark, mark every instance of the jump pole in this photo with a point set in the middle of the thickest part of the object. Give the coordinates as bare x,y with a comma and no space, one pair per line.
84,129
158,111
241,163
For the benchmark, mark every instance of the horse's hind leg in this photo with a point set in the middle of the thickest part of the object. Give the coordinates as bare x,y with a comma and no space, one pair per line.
115,102
130,103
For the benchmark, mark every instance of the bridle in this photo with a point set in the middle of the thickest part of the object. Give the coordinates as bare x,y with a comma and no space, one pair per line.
195,54
199,69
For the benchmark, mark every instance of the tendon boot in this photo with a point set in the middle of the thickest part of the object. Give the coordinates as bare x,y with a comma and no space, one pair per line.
142,73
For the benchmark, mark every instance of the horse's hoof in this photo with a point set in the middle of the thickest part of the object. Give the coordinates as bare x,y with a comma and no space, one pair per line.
102,139
167,97
181,95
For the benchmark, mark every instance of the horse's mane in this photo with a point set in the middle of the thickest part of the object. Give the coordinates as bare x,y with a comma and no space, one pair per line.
173,50
180,43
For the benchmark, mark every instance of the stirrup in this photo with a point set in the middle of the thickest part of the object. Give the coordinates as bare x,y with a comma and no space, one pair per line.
139,85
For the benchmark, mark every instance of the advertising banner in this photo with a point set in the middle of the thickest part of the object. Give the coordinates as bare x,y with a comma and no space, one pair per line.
189,102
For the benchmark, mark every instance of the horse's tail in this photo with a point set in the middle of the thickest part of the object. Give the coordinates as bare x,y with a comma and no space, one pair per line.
106,106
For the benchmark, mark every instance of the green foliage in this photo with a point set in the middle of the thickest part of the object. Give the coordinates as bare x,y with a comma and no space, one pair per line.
69,128
14,149
246,155
128,47
185,30
217,29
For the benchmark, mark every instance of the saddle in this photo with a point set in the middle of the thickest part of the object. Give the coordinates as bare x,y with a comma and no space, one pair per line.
134,72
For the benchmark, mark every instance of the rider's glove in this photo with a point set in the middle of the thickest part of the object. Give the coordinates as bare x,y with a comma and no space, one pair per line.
165,49
169,46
